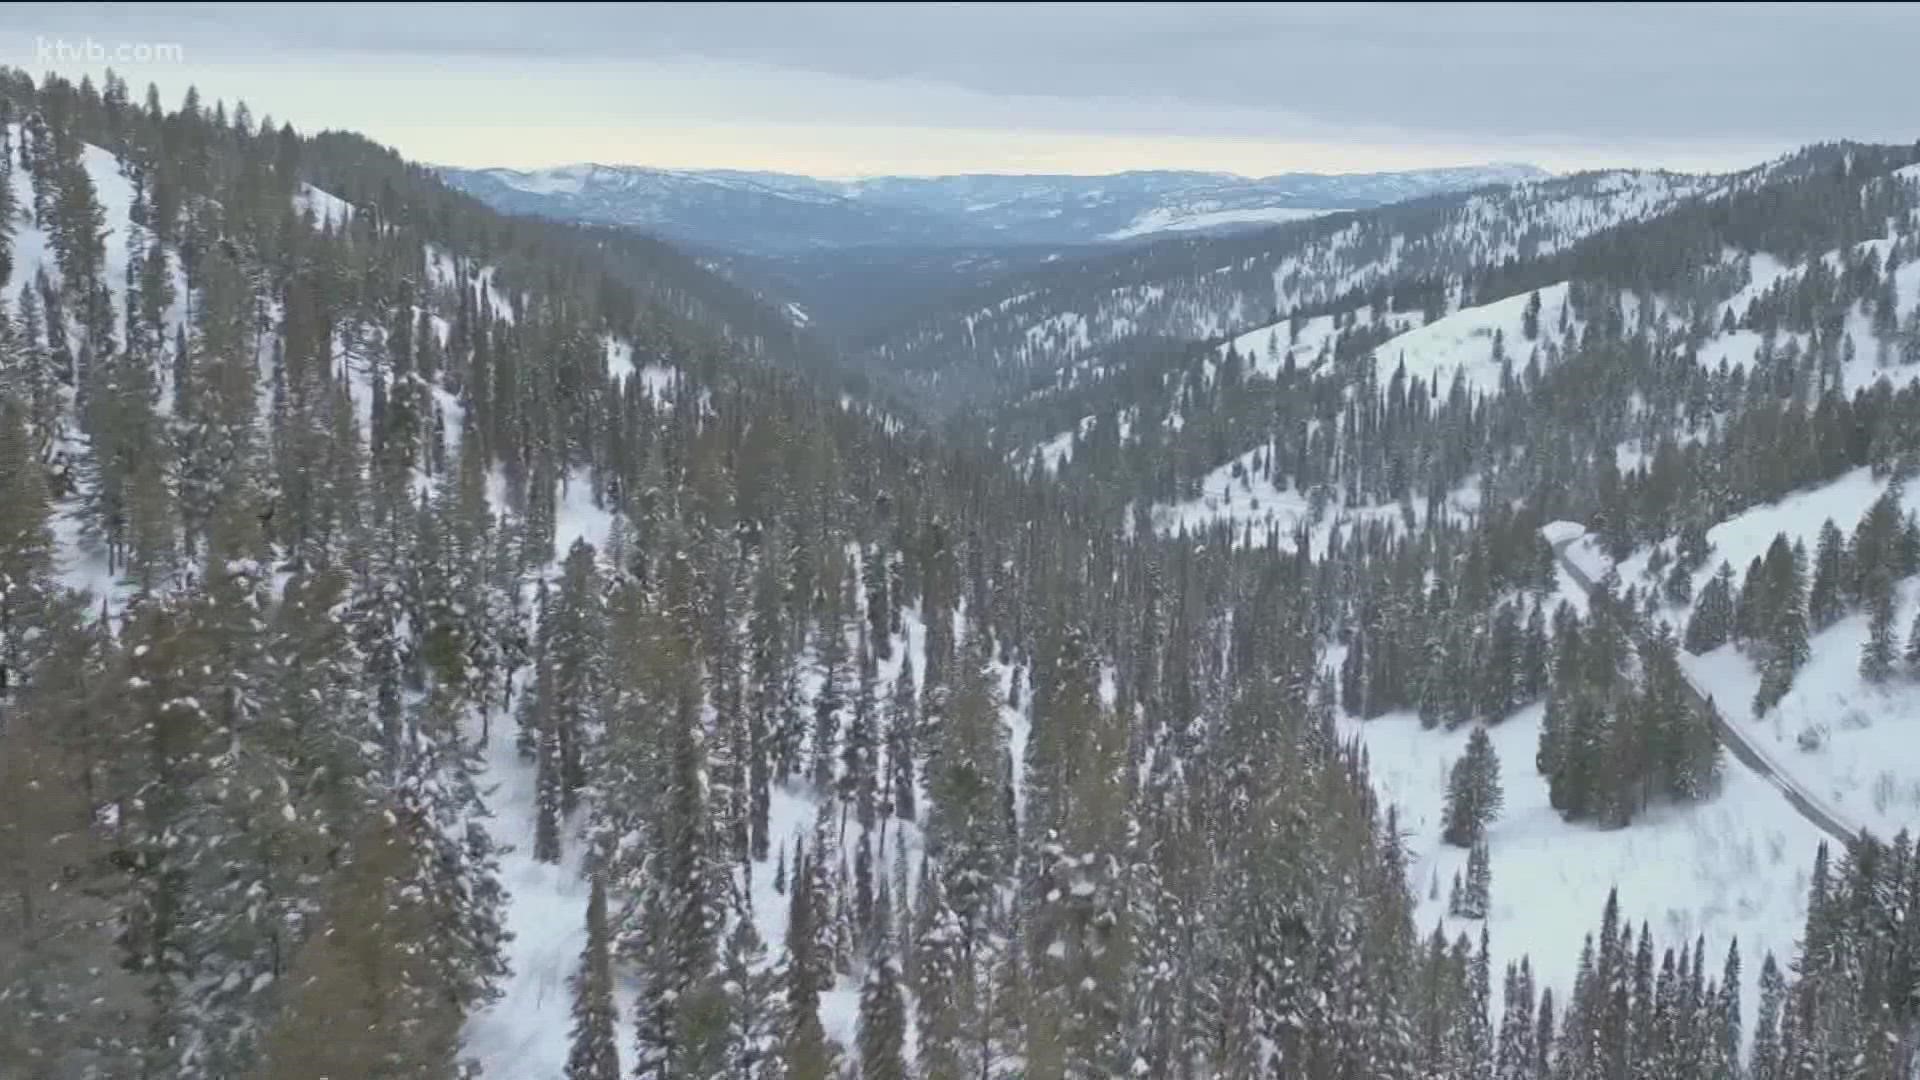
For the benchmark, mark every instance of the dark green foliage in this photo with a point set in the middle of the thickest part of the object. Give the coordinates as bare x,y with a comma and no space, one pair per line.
594,1054
1473,792
275,717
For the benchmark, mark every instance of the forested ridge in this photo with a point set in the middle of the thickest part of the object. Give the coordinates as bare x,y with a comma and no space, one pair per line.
320,482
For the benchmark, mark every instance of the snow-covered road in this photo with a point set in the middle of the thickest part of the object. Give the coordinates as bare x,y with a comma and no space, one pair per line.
1745,750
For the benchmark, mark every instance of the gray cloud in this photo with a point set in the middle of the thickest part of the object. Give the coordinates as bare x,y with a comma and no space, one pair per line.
1481,74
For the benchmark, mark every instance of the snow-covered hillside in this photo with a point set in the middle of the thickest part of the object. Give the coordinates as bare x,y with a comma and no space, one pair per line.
1472,344
1853,745
1237,493
524,1034
1208,288
1734,866
1208,214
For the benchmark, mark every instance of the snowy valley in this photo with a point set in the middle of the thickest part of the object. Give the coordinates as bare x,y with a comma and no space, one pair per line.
1464,624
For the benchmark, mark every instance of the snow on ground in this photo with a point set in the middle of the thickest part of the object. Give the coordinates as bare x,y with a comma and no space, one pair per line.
1734,866
81,565
1463,342
502,301
1049,456
577,518
1252,500
443,273
1739,347
1862,750
658,379
32,249
1186,219
328,209
1556,532
1741,539
619,358
1861,757
1055,452
1266,348
1853,745
525,1033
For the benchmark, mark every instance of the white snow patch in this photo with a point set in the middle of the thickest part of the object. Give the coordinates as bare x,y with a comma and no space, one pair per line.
1186,219
1463,343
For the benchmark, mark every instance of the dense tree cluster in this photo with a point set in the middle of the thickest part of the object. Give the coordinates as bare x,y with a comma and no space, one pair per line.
1612,744
335,466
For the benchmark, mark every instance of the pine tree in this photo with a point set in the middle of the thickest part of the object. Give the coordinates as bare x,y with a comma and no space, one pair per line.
752,1004
363,1002
805,1051
594,1055
875,583
903,719
860,750
26,550
61,1011
1480,1052
1500,684
676,1025
832,703
883,1021
938,962
1724,1038
1781,625
1878,652
571,681
963,789
1764,1061
1543,1038
1534,654
549,794
1712,623
1473,791
1830,573
1479,881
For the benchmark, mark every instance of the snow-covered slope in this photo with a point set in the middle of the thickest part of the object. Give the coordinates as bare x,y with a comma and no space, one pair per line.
1731,867
1470,344
1207,215
523,1034
1852,745
1204,288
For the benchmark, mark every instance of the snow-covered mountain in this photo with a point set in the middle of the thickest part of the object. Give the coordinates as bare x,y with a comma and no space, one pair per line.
1838,323
765,212
1063,314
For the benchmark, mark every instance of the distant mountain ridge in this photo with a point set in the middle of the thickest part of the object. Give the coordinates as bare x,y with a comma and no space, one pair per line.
767,212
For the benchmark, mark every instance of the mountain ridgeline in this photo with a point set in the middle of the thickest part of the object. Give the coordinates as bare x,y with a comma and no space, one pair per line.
435,643
776,213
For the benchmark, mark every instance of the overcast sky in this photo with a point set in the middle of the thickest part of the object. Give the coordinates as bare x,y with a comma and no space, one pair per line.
863,89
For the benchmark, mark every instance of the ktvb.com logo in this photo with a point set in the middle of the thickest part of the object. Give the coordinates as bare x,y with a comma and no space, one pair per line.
56,50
